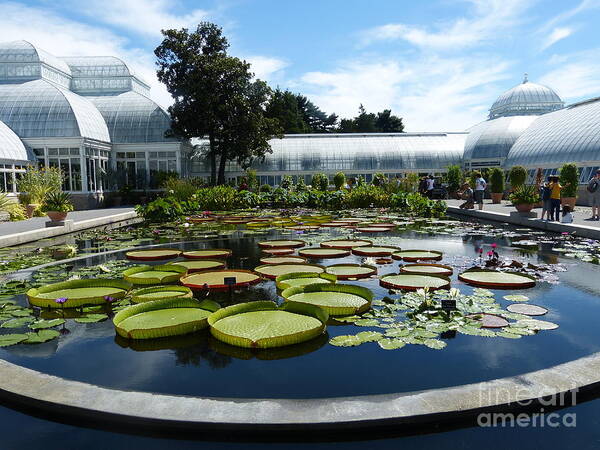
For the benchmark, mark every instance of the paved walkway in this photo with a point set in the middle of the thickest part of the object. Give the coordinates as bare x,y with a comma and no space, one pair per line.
581,225
14,233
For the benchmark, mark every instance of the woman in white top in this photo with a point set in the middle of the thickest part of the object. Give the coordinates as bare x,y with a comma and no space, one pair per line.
567,215
480,186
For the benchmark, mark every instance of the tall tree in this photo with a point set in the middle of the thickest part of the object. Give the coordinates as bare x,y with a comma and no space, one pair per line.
283,106
364,122
387,123
214,96
317,120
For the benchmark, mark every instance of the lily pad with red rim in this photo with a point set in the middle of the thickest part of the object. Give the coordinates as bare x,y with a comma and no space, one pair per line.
348,271
200,265
346,243
272,271
302,279
282,260
374,251
433,269
323,253
160,274
413,282
335,299
78,293
212,253
497,279
215,279
418,255
155,254
282,243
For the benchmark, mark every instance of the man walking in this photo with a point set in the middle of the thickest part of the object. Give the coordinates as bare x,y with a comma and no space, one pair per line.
480,186
593,188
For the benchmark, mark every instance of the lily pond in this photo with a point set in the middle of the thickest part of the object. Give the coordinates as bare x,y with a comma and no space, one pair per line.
432,303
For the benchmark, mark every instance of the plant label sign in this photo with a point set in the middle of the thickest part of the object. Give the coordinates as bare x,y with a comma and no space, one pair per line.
230,281
448,305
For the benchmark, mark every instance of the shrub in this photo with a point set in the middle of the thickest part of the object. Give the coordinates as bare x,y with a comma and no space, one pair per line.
57,201
320,182
410,182
517,176
301,185
163,209
266,188
181,189
497,180
16,212
366,197
524,195
252,178
454,176
287,182
379,179
35,184
217,198
569,178
339,180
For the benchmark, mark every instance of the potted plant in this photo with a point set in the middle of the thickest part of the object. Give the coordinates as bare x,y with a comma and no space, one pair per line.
569,178
524,197
57,205
497,184
517,177
35,184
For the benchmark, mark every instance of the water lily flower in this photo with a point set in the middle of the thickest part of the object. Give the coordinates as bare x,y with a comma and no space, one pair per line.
61,300
186,225
494,245
564,233
109,299
490,253
480,250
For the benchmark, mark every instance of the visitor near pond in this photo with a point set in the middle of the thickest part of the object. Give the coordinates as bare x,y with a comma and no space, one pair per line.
555,188
567,216
467,195
593,188
480,186
430,186
545,198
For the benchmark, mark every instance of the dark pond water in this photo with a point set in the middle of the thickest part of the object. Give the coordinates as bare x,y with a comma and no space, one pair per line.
198,365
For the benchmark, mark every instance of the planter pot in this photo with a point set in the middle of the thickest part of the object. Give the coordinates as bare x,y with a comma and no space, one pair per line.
56,216
497,197
30,209
524,207
569,201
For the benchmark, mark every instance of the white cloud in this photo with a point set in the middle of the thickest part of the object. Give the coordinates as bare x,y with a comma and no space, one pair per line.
490,17
576,75
431,93
266,68
584,5
556,35
141,16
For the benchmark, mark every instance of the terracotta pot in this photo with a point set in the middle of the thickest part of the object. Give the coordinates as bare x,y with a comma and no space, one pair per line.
56,216
524,207
30,209
569,201
496,197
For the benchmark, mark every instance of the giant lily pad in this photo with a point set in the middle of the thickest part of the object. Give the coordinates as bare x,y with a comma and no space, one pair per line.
535,324
303,278
418,255
497,279
323,253
213,253
78,292
282,260
346,243
272,271
427,269
161,274
200,265
215,279
154,254
347,271
162,318
373,229
374,251
263,325
527,309
336,299
413,282
282,243
159,292
278,251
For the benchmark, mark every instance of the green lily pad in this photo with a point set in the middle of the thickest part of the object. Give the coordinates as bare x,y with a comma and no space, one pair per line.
369,336
213,253
426,269
391,344
39,324
263,325
324,253
535,324
336,299
527,309
347,271
281,243
215,279
418,255
516,298
200,265
436,344
160,274
159,292
78,292
11,339
346,341
16,323
303,279
272,271
346,243
413,282
41,336
153,254
91,318
497,279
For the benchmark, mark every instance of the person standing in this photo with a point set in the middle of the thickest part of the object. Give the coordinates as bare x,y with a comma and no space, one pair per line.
430,186
593,188
545,197
555,188
480,186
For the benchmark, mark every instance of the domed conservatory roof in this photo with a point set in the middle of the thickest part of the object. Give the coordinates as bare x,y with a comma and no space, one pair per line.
526,99
11,148
40,108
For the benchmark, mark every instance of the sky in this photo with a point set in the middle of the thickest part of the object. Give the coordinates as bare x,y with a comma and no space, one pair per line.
438,64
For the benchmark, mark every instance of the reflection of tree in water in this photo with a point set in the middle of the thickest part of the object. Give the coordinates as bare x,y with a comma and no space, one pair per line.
195,354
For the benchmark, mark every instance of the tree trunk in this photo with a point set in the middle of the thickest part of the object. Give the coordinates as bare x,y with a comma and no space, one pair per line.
222,164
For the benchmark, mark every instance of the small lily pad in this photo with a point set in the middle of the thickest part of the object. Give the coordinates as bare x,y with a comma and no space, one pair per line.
346,341
39,324
92,318
41,336
11,339
516,298
391,344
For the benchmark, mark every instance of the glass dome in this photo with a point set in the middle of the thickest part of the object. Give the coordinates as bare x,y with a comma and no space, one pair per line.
493,139
12,150
569,135
526,99
40,108
132,118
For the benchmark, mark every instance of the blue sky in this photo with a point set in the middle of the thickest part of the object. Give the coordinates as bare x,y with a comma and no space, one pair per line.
439,64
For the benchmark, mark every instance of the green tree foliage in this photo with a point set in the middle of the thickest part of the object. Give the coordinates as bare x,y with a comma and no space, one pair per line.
497,180
35,184
455,177
339,180
569,178
365,122
320,182
287,182
216,96
297,114
379,179
517,176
